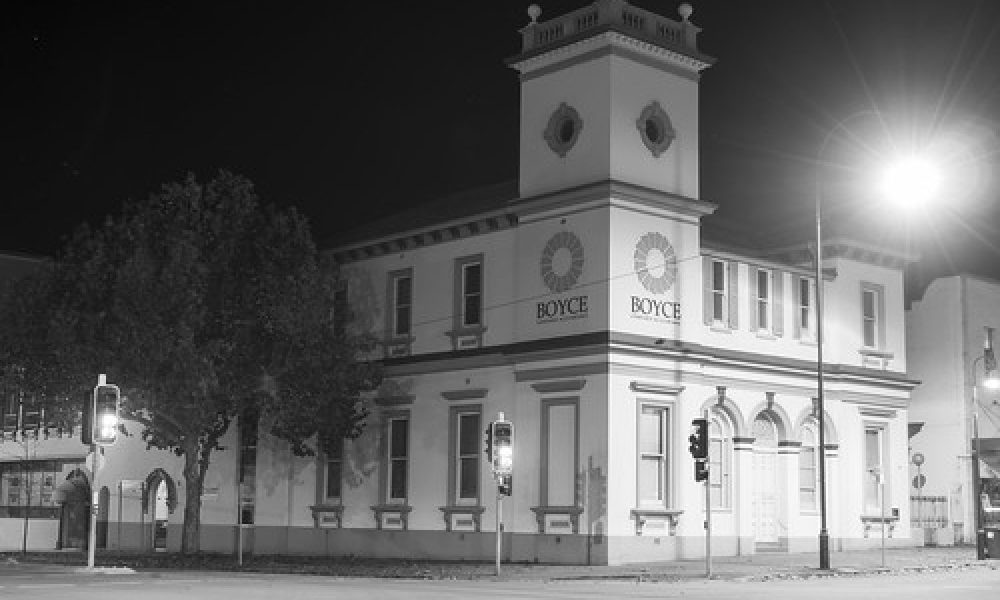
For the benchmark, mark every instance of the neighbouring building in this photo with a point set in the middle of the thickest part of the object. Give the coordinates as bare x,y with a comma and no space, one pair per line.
586,303
946,332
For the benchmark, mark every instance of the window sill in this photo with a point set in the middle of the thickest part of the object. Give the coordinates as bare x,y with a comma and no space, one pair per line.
542,514
467,330
399,346
466,337
328,515
875,523
866,351
474,511
874,358
808,341
719,510
643,515
717,327
764,334
391,516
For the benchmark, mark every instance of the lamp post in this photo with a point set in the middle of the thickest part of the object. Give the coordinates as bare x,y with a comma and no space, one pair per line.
824,534
990,380
909,180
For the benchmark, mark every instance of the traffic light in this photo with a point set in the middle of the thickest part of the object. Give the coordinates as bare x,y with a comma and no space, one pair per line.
503,447
31,425
504,485
10,423
488,443
700,470
104,422
699,439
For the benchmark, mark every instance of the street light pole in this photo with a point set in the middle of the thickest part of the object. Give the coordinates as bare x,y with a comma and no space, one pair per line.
989,366
910,180
824,534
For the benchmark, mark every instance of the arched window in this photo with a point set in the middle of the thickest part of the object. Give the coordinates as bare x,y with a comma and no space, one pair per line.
808,467
720,461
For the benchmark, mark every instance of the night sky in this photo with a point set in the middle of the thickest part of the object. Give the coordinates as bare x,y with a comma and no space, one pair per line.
350,111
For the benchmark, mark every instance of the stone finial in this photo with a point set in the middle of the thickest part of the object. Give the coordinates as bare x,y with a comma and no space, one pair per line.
534,11
685,10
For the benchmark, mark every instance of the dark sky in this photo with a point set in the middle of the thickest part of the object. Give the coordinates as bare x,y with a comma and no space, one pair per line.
352,110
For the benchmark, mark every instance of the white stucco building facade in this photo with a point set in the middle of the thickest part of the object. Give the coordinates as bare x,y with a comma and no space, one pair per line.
946,335
586,303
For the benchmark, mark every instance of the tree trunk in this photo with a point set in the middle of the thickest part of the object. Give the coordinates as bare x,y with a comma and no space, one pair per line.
193,477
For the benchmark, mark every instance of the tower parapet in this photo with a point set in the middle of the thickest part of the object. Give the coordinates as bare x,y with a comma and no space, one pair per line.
611,15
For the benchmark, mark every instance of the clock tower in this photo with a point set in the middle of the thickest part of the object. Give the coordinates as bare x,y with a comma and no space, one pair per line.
608,203
609,92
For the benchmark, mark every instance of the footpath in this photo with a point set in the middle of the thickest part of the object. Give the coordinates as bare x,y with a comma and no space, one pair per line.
774,566
759,567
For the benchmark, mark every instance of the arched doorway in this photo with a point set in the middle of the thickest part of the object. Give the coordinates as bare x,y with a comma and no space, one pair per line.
73,494
766,500
159,501
160,515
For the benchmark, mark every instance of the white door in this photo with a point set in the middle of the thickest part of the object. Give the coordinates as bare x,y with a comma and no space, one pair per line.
765,478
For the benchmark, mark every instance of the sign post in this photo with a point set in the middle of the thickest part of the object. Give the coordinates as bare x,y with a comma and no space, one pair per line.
918,482
881,484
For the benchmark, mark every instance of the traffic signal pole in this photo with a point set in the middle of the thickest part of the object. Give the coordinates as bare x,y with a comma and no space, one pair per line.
94,498
708,517
499,527
94,489
101,427
500,452
699,452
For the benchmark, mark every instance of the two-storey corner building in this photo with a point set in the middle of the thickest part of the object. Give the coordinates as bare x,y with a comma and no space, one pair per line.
587,302
947,330
588,306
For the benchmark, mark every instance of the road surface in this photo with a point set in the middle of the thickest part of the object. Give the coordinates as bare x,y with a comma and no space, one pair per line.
967,584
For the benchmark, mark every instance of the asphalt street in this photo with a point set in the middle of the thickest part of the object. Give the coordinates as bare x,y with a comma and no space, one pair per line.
968,584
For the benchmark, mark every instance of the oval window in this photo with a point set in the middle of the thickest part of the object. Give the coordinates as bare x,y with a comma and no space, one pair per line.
566,130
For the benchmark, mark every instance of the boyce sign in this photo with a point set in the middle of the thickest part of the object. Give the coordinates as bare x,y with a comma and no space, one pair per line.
561,266
655,264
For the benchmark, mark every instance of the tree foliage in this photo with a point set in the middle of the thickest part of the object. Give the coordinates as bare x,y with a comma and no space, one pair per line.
203,305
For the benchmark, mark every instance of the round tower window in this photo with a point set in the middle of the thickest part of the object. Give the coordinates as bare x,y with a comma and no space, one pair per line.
566,130
563,129
655,129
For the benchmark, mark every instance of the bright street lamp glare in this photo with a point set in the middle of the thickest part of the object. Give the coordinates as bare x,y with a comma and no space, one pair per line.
911,181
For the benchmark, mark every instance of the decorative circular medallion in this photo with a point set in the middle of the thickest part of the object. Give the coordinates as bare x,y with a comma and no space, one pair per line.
563,129
655,263
562,261
655,128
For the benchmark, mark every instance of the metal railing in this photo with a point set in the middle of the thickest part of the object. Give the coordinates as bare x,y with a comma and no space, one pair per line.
930,512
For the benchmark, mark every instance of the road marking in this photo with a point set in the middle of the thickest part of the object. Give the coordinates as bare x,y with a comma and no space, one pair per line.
36,586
